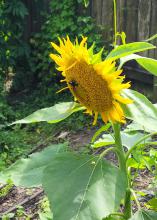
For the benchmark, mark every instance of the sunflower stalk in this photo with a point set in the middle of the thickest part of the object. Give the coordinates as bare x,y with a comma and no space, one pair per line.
123,167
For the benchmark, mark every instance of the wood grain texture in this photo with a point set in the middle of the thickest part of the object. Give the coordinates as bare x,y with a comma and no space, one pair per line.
121,15
153,27
97,10
131,20
107,19
144,18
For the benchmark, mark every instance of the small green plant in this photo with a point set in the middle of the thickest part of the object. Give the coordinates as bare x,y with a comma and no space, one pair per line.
8,216
5,190
45,211
20,212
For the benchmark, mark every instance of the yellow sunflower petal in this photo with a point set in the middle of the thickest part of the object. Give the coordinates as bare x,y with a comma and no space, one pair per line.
84,39
123,100
104,117
95,118
57,48
96,85
61,90
57,59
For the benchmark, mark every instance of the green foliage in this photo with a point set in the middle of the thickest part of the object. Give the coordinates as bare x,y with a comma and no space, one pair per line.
14,50
8,216
5,190
63,19
53,114
141,111
83,178
128,139
45,211
130,48
147,63
20,213
144,215
32,168
10,149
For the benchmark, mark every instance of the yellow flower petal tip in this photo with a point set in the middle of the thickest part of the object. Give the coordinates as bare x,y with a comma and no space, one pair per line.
96,84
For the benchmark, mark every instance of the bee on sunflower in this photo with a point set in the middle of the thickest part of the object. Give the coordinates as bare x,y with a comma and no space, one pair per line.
96,84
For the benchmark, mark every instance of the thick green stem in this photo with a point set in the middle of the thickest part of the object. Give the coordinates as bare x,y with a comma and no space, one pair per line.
118,142
127,204
123,167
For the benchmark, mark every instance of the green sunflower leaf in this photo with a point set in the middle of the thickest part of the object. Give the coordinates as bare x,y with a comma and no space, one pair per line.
28,172
114,217
99,131
141,111
127,49
52,114
128,139
144,215
83,187
147,63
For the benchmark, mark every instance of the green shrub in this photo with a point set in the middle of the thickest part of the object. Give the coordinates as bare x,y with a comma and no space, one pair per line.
63,19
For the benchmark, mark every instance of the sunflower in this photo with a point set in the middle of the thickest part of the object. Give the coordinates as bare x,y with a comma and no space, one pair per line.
94,83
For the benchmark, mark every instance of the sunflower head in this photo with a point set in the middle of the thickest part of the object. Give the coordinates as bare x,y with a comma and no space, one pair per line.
96,84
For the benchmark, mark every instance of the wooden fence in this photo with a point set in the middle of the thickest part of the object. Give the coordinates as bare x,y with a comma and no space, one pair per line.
137,18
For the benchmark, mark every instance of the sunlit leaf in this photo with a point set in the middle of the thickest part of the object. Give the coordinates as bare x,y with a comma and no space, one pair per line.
52,114
114,217
128,139
144,215
141,111
136,127
83,187
131,138
147,63
100,130
107,139
152,204
127,49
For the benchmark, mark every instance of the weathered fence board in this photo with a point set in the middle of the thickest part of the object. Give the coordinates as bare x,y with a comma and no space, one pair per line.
107,19
137,18
153,27
131,20
144,21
